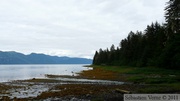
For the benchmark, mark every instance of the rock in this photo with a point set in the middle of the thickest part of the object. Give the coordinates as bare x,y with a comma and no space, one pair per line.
5,98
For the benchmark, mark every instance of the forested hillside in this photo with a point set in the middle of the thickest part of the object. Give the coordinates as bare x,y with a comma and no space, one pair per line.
34,58
158,45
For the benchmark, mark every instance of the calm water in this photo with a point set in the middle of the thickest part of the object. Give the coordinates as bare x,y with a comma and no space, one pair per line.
20,72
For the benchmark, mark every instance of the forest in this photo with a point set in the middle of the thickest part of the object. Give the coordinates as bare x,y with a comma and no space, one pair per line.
158,45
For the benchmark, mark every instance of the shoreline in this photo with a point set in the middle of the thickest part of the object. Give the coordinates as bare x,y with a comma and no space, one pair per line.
51,84
53,87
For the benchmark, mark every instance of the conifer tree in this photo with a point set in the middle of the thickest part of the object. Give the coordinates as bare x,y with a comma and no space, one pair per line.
172,16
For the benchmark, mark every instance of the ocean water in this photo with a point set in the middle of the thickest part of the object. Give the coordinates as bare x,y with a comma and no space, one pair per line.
21,72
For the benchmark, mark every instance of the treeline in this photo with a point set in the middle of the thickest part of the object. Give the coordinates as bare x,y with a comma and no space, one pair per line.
158,45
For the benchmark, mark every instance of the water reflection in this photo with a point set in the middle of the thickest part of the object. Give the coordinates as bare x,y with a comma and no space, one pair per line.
20,72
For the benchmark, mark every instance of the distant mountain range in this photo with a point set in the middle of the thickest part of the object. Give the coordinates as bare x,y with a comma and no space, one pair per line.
34,58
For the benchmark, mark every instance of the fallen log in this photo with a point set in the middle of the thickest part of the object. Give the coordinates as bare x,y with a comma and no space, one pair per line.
122,91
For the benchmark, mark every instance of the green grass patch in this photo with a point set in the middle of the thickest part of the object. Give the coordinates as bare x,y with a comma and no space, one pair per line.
153,79
139,70
122,69
160,88
159,80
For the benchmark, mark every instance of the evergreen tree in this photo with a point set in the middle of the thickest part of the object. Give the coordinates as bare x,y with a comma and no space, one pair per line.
95,59
172,17
159,45
170,58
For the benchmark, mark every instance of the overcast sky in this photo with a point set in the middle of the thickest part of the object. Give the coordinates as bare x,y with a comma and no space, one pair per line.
75,28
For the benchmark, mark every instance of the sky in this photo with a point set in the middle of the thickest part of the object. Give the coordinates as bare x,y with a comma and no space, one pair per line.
74,28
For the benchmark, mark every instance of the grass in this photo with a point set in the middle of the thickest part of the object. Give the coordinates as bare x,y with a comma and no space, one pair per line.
139,70
155,80
98,73
161,88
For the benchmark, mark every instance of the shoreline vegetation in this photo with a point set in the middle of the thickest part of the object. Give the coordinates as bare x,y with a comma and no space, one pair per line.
151,79
137,80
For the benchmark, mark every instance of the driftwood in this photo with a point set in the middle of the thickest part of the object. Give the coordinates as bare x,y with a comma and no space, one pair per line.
122,91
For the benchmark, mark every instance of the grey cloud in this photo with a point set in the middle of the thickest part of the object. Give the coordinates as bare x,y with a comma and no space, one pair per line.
71,27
